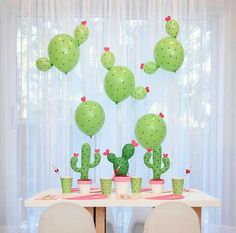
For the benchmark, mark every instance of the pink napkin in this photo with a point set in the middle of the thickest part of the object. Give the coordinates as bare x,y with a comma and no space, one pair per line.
76,190
145,189
88,197
166,197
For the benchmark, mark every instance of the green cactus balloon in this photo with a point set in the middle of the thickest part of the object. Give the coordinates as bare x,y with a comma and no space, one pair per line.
81,33
85,161
168,52
108,59
63,50
121,164
140,93
150,130
156,158
89,117
43,64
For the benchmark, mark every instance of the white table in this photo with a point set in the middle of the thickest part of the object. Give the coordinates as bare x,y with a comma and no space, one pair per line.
194,198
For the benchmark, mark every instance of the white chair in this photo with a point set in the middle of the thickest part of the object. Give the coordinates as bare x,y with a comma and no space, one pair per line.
66,218
172,217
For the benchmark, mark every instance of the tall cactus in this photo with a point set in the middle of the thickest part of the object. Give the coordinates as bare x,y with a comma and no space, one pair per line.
85,161
121,164
156,156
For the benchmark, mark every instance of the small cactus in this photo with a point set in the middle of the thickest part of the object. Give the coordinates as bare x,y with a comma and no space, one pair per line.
85,161
168,52
156,157
121,164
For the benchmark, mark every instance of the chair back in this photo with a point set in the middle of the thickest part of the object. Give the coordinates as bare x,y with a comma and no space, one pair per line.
66,218
172,217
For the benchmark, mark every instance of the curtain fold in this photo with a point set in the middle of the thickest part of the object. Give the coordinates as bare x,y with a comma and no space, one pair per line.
37,109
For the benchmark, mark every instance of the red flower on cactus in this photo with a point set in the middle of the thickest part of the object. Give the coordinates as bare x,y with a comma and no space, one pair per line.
83,99
75,154
107,152
97,150
149,149
161,115
187,171
165,155
84,22
147,89
141,66
134,143
106,49
167,19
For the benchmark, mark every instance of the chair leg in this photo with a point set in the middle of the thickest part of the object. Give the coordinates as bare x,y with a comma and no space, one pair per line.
198,211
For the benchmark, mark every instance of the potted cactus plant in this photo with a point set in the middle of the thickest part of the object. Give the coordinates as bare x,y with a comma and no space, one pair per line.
156,155
84,182
121,166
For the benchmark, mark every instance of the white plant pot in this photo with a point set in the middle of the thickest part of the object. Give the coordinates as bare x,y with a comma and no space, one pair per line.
122,184
157,185
84,186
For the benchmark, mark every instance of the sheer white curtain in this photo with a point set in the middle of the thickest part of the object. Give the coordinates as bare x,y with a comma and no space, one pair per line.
37,109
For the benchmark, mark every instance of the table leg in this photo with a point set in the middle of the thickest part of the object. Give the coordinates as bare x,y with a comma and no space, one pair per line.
198,211
100,219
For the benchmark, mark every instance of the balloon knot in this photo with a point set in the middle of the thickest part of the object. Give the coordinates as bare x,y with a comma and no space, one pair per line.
149,149
106,49
75,154
83,99
107,152
84,23
161,115
147,89
167,19
165,155
134,143
141,66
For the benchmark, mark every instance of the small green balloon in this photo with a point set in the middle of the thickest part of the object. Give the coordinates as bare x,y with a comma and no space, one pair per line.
150,67
150,130
81,34
89,117
169,54
119,83
108,59
139,93
172,28
63,52
43,64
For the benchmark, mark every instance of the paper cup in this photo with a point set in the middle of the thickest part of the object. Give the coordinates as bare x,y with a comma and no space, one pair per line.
136,184
178,185
106,184
66,184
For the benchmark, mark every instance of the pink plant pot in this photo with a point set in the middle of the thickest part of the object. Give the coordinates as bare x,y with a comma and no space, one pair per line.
122,184
157,185
84,186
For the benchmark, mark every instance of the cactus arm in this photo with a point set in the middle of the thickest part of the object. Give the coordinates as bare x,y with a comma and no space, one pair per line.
73,163
97,159
147,158
166,162
128,151
112,158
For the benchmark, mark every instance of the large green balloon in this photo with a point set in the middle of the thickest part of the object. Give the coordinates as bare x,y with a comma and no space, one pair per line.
43,64
119,83
139,93
169,54
89,117
63,52
150,130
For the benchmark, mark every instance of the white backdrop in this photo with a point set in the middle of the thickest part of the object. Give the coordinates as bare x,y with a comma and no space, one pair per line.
37,120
